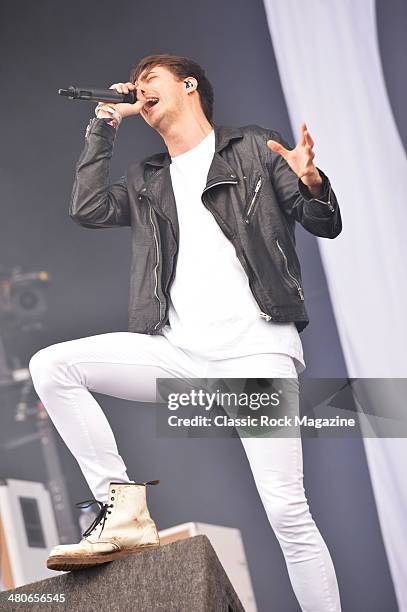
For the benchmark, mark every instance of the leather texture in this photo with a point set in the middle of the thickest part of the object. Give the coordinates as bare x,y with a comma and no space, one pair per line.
253,195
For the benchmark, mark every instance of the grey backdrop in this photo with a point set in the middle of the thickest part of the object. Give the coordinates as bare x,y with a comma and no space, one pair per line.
49,45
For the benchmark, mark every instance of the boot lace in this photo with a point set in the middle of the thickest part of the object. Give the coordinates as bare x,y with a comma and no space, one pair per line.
100,518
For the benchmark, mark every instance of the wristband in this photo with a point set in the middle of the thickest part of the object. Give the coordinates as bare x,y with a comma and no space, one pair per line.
116,116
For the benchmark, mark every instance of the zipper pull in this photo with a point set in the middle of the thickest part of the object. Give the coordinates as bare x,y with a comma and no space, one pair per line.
331,208
257,185
328,203
256,190
266,316
301,293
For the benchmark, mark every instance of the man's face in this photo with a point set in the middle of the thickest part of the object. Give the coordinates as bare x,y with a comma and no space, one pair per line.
158,82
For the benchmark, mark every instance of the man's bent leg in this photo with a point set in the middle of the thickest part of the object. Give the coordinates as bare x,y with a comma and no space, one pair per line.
120,364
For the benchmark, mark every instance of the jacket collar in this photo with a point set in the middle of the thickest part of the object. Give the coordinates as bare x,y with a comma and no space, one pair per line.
223,135
158,186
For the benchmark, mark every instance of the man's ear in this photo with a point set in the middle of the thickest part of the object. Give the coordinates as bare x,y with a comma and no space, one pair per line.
191,83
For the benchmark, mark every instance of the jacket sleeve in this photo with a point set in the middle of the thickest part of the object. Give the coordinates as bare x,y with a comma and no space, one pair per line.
95,202
319,216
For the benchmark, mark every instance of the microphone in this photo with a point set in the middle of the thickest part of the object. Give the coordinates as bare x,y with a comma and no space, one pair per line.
98,95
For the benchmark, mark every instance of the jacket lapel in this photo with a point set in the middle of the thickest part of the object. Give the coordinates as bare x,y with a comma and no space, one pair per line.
158,185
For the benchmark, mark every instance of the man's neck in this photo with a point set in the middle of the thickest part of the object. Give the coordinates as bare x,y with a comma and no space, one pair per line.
186,135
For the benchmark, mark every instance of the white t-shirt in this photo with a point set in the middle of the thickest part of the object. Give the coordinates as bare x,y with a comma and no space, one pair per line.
212,311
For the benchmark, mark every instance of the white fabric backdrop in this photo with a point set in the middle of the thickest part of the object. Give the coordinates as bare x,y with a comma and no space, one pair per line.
331,74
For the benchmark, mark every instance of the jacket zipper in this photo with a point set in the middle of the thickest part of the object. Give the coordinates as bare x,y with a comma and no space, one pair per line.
230,234
156,266
299,288
218,219
328,203
175,256
264,315
251,205
220,183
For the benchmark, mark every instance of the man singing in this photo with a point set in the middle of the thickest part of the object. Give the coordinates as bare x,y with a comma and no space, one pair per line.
215,291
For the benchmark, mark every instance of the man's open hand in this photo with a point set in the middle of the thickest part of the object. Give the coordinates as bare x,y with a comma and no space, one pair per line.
300,160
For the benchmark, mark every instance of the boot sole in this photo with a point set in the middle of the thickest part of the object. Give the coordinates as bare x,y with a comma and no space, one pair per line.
66,563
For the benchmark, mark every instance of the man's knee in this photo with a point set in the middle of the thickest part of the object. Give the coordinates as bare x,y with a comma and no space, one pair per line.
37,362
288,515
43,365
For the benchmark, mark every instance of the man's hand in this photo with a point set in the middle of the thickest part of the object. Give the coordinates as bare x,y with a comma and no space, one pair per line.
124,109
300,160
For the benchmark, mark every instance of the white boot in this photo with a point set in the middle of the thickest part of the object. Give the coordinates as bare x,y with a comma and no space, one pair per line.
123,526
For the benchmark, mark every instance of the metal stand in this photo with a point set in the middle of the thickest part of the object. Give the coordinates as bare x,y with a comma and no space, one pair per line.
26,407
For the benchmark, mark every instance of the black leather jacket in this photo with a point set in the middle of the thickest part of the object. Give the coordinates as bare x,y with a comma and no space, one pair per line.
253,195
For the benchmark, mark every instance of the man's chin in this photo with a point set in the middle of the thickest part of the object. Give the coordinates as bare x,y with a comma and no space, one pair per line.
149,118
154,119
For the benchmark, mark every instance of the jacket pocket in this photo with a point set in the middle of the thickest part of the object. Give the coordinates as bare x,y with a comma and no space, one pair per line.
253,200
289,275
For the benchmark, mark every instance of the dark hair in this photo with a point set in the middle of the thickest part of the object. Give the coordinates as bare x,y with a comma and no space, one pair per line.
180,67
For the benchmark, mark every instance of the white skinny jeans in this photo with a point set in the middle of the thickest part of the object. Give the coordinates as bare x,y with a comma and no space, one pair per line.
126,365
